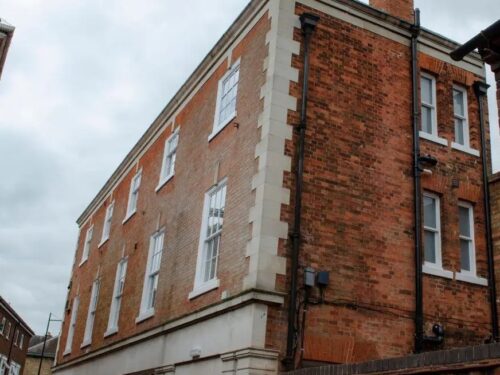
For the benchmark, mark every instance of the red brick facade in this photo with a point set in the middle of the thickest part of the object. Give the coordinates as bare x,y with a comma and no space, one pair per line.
358,199
357,202
15,336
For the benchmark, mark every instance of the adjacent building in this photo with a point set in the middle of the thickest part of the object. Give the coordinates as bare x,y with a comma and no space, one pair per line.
15,335
40,357
6,33
314,193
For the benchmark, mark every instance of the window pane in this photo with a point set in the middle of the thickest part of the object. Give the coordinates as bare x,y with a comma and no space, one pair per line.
430,212
430,247
426,90
458,103
464,218
465,254
459,131
426,120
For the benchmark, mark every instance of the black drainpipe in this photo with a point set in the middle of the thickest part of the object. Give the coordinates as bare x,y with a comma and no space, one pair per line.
419,311
308,22
481,88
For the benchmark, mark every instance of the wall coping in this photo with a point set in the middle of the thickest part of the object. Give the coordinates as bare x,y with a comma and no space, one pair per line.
473,357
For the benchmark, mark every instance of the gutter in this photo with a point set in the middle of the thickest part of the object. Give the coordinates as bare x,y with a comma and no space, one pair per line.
308,23
480,41
481,89
417,197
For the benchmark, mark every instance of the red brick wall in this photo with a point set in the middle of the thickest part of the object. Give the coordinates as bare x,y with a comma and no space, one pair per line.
18,354
358,201
178,207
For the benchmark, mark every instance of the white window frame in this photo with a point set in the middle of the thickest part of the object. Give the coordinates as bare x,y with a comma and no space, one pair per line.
434,136
218,124
3,324
436,268
464,275
91,313
106,227
3,364
151,277
201,286
116,299
9,327
134,192
466,146
87,244
169,159
15,368
72,325
21,340
16,336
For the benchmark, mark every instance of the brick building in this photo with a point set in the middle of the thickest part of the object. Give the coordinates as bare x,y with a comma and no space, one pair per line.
202,252
38,353
15,335
6,33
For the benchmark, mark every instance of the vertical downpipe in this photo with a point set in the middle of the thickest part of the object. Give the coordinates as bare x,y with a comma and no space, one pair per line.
419,311
480,89
308,22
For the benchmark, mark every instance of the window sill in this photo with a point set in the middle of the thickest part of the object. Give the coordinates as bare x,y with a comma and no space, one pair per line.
435,271
85,344
470,278
434,138
145,315
128,217
111,332
465,149
218,129
163,182
66,353
103,241
204,288
83,262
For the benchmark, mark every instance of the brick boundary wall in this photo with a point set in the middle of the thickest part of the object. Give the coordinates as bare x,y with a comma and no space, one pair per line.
475,359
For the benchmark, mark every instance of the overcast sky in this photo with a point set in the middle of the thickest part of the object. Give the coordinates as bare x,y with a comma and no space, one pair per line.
82,82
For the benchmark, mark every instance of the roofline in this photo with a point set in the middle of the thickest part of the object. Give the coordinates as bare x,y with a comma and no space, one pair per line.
210,59
480,41
15,315
8,30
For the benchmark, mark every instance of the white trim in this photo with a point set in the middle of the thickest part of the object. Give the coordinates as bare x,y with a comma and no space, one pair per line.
87,245
147,311
464,118
145,315
204,288
218,127
116,300
106,226
433,138
432,106
438,265
91,314
472,279
111,332
72,324
168,154
132,210
163,183
465,149
429,269
472,249
200,286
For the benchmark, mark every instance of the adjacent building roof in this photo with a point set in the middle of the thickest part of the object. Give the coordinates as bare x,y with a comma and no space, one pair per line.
6,33
50,348
4,305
